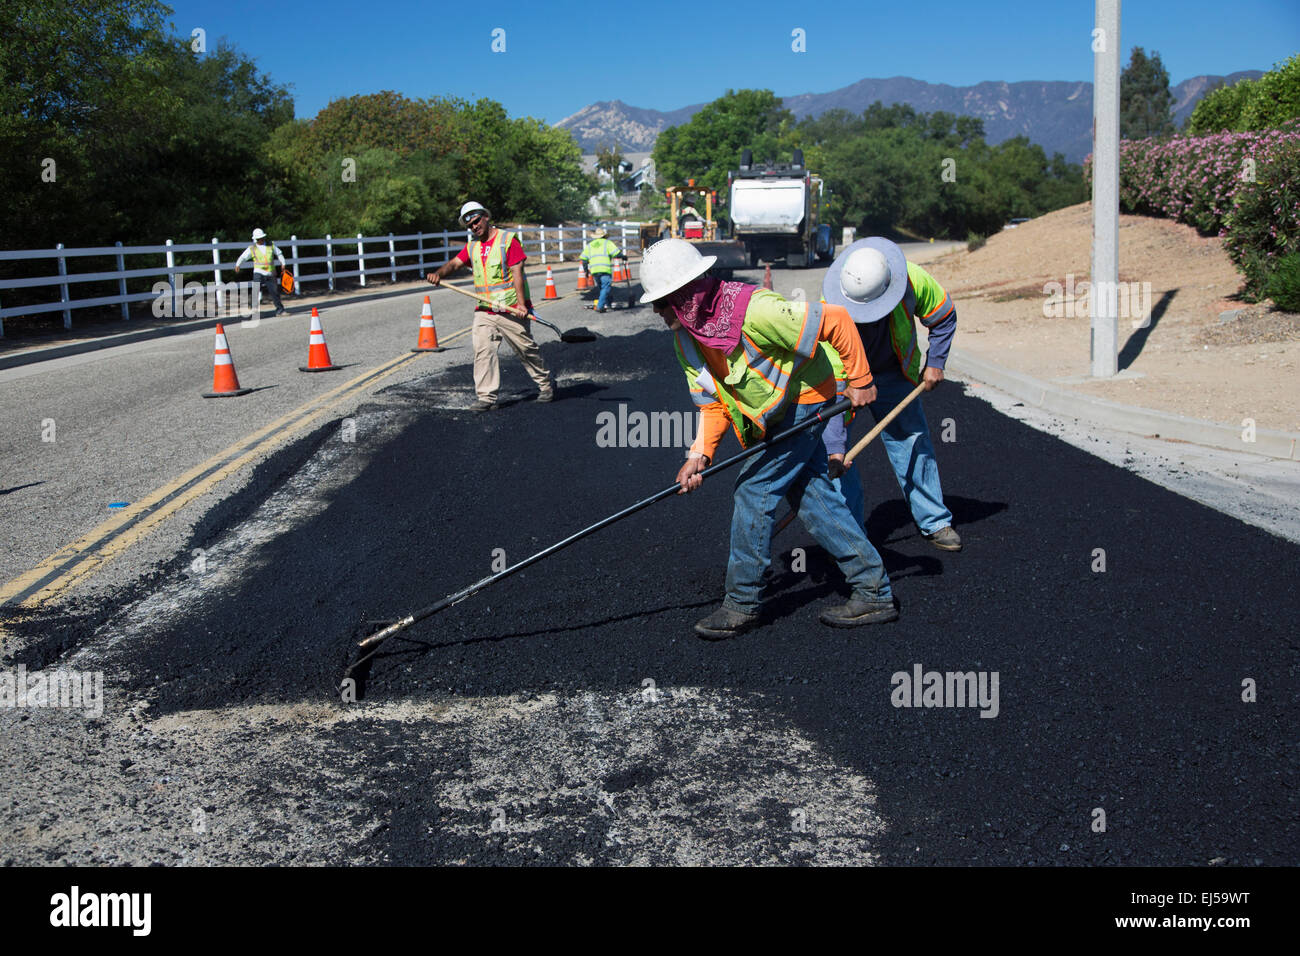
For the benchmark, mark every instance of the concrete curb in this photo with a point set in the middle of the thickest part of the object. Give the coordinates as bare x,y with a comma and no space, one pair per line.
1127,418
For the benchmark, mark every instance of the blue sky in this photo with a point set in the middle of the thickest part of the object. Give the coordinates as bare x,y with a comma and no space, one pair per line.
663,55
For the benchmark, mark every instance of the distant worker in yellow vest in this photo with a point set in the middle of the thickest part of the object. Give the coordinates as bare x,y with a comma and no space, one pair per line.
497,258
756,363
599,255
262,253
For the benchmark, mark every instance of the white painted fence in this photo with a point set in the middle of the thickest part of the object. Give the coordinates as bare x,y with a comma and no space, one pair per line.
331,258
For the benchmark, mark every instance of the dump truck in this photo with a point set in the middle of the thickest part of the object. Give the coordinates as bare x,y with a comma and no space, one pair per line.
685,221
775,212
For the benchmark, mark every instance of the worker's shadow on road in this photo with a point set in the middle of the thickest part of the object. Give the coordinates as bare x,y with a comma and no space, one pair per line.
890,517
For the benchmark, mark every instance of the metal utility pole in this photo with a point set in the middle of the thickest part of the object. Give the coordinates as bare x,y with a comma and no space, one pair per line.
1103,298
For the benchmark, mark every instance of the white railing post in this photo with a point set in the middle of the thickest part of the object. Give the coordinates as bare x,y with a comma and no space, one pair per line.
293,258
329,258
121,281
541,231
171,279
469,237
361,260
216,277
419,245
392,259
63,290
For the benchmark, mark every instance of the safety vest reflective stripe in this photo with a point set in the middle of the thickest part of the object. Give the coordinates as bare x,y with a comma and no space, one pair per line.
902,335
492,277
262,256
599,255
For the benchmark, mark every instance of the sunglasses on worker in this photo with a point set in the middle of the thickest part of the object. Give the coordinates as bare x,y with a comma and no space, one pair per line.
474,219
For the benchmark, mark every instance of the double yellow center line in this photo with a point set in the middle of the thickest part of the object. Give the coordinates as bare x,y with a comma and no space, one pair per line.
93,550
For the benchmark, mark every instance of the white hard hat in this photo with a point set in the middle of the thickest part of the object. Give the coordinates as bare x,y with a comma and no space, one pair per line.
469,208
869,279
258,234
670,264
865,275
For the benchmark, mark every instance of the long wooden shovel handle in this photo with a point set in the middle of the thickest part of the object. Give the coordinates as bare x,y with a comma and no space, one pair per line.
880,426
486,301
848,459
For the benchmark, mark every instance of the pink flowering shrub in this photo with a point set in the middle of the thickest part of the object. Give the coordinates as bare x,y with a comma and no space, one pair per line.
1243,186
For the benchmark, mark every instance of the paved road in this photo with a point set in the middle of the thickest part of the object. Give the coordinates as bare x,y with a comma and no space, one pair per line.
570,715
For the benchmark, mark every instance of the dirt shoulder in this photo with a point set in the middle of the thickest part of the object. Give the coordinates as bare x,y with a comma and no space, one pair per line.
1190,360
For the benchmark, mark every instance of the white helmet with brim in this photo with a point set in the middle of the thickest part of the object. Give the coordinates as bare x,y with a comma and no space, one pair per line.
670,264
868,279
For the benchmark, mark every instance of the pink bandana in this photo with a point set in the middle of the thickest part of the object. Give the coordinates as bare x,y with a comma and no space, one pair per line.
714,311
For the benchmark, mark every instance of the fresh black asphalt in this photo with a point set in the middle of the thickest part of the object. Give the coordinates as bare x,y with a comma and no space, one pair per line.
1119,690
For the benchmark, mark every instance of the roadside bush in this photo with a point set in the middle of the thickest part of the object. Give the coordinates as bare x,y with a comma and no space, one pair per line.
1263,224
974,241
1243,186
1284,284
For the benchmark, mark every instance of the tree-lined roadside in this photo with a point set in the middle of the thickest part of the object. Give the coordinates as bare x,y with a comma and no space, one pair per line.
132,131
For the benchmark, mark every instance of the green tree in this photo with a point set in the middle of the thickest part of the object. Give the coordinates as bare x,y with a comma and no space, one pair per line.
609,158
1146,105
1274,98
708,147
1266,103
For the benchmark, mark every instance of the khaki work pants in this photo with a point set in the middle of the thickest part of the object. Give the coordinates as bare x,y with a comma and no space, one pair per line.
488,330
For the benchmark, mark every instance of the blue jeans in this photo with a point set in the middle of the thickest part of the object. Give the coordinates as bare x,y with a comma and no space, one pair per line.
907,444
797,467
603,281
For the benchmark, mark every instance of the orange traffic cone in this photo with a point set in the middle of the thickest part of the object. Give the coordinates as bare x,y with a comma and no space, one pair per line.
550,286
225,384
617,275
767,278
318,353
584,281
428,334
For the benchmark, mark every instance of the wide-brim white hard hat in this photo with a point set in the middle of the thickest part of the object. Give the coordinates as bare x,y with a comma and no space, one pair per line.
869,279
469,209
670,264
599,234
258,234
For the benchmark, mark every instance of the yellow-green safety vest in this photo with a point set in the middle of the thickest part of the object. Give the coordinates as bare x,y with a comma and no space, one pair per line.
600,254
778,356
262,256
493,277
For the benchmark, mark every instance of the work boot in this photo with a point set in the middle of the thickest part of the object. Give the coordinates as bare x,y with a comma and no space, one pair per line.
945,539
860,611
482,405
546,395
725,622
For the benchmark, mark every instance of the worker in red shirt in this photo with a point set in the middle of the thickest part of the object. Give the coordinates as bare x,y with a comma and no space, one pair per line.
497,258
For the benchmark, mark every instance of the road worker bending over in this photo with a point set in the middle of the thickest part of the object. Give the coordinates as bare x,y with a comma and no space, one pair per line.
886,295
754,360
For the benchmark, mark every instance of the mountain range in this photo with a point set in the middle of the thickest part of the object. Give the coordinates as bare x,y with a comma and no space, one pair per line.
1056,115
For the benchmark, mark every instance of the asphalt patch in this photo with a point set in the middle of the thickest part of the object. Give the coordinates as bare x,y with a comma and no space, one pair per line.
1119,689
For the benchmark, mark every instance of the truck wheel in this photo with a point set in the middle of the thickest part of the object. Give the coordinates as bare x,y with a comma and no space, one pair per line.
753,260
